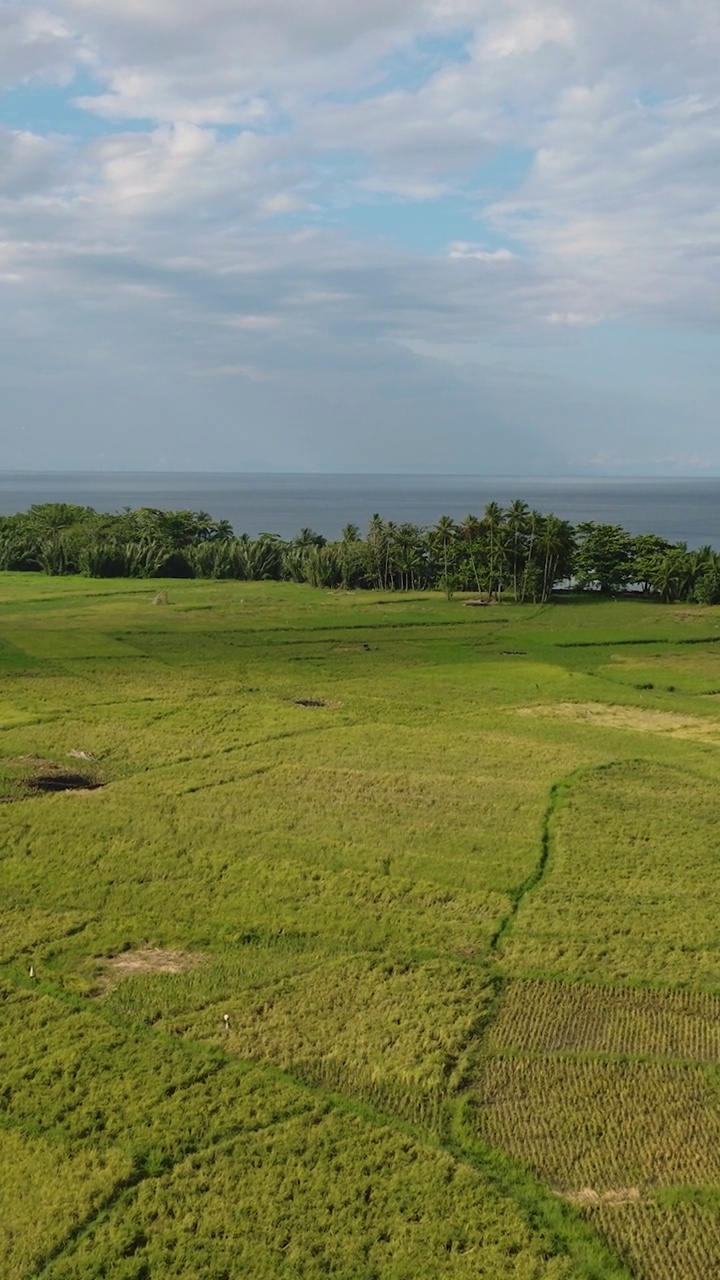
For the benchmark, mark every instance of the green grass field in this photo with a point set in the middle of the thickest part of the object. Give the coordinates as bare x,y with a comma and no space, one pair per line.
381,941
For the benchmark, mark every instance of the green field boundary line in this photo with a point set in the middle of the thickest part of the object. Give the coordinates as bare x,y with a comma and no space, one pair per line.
558,792
612,644
121,1191
656,689
203,757
326,633
512,1175
268,740
542,1208
564,1230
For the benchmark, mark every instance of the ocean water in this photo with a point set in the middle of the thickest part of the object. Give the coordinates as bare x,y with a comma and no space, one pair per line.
686,510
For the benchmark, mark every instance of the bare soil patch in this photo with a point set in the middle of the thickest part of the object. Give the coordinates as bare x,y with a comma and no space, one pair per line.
57,781
671,723
32,775
147,960
314,702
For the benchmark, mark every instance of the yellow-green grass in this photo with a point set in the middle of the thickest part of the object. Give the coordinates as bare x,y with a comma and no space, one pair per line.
631,880
225,1168
402,1036
352,882
318,1195
47,1193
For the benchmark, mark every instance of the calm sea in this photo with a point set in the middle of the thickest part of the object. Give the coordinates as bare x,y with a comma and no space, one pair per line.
686,510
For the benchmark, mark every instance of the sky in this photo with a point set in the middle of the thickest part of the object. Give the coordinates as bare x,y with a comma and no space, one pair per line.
452,236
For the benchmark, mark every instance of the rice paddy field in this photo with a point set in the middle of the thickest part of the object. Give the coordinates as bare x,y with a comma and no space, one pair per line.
356,935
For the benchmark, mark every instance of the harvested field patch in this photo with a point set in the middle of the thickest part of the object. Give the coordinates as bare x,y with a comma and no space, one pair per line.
661,1242
606,1125
560,1017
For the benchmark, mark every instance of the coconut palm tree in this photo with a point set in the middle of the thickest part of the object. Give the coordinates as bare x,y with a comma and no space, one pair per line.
376,542
470,531
408,556
516,522
528,583
556,542
444,536
492,523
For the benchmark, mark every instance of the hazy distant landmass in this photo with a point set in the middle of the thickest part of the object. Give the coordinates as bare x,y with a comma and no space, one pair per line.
681,510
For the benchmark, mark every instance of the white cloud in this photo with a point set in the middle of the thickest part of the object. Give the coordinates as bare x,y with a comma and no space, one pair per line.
166,61
461,251
28,163
529,31
578,141
573,318
35,44
615,104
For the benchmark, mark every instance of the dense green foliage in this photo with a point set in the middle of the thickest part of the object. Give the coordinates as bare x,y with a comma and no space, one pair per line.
384,949
518,552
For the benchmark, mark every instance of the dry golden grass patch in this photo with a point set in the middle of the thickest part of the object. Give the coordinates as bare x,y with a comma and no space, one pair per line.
588,1195
674,724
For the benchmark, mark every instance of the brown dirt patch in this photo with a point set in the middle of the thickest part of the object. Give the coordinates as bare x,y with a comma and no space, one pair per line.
32,775
58,781
314,702
152,960
670,723
129,964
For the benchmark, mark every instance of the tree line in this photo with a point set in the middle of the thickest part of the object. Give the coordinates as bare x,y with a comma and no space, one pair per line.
513,551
